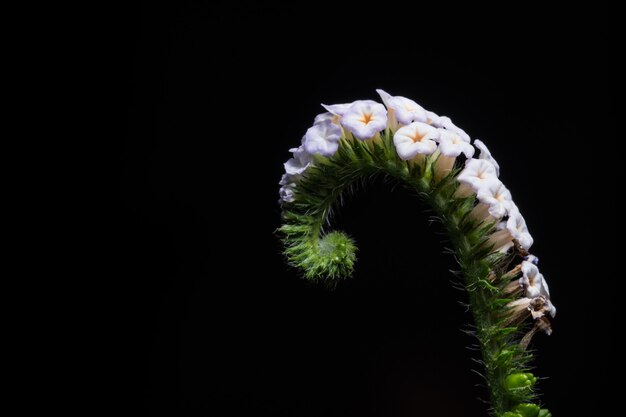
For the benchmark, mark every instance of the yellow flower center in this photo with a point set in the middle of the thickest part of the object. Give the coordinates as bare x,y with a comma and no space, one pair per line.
367,117
417,137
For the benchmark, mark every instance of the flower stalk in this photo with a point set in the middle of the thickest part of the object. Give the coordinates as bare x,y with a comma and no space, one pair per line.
430,155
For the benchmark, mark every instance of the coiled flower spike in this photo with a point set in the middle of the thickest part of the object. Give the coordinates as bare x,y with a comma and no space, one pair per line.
491,240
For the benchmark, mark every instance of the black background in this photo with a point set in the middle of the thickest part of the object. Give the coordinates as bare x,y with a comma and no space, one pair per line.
207,319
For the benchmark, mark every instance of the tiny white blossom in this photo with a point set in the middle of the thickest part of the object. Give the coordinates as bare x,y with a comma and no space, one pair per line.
531,280
300,161
365,118
416,138
535,284
451,144
476,173
404,109
322,138
516,226
287,194
446,123
496,196
485,154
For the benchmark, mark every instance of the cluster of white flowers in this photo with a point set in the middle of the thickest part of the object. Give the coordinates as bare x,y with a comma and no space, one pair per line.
417,133
535,300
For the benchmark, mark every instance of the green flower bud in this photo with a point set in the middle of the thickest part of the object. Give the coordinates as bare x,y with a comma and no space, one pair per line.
515,382
511,414
527,410
544,413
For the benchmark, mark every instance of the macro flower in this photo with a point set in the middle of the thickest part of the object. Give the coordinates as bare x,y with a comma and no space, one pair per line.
404,110
476,173
322,139
513,228
531,280
534,284
516,226
364,119
485,154
450,146
496,197
446,123
286,194
415,139
300,161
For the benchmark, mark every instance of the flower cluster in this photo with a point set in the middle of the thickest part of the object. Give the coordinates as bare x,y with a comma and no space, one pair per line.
419,134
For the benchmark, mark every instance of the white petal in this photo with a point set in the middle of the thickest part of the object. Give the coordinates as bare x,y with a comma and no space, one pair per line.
476,173
516,225
365,118
338,109
385,96
485,154
322,138
300,161
447,124
416,138
494,194
451,144
286,194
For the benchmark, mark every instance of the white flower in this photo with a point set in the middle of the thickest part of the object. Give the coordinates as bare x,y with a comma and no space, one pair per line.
451,144
322,138
287,194
404,109
535,285
516,226
300,161
416,138
476,173
485,154
446,123
365,118
496,197
531,280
